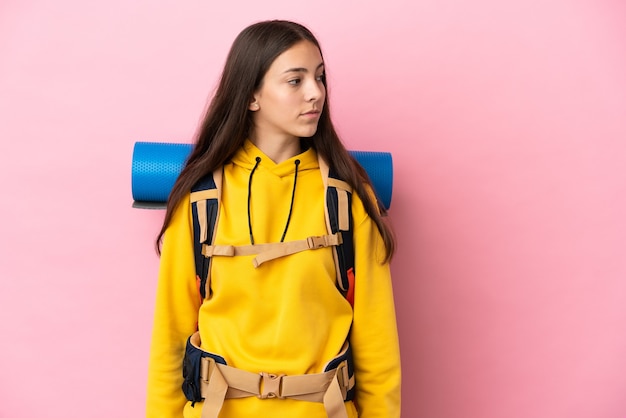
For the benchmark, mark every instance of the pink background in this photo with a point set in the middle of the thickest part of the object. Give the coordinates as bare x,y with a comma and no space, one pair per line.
507,123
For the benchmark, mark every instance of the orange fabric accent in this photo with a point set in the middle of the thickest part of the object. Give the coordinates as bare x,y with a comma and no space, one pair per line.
351,281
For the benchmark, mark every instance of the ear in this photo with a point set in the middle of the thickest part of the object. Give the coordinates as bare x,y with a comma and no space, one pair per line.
254,104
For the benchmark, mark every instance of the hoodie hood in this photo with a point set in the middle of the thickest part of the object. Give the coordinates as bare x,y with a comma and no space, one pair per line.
263,176
246,157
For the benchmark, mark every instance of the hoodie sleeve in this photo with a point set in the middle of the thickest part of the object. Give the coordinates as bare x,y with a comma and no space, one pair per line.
374,336
175,317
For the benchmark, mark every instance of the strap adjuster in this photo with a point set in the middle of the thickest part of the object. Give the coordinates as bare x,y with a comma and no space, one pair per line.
316,242
270,386
343,378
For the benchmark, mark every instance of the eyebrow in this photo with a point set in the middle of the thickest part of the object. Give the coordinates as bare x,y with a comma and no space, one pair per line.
302,69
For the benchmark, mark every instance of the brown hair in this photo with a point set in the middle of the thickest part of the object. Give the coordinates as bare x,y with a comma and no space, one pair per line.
227,122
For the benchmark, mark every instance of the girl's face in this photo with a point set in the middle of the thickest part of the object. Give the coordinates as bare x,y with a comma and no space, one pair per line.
290,100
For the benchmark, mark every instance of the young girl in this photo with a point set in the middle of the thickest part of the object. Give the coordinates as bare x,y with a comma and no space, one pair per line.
277,339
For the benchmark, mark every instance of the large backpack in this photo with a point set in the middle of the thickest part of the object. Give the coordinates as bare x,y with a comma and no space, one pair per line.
205,203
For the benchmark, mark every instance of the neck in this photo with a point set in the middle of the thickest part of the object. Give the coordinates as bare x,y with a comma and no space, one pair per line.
277,149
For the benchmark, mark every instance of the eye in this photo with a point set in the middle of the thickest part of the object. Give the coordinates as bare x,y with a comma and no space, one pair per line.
321,77
294,81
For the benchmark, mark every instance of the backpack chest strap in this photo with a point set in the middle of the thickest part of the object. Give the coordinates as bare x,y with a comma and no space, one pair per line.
272,251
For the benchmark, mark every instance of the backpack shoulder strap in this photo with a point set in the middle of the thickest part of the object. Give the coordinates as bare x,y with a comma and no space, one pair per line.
338,198
205,202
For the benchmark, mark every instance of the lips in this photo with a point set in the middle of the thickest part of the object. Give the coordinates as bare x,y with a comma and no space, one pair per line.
313,112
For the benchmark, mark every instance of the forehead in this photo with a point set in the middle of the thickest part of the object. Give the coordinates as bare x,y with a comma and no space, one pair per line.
303,55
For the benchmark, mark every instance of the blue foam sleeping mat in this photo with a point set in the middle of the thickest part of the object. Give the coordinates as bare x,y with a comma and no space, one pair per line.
156,165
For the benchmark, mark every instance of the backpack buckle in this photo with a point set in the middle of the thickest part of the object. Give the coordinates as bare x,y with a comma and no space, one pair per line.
316,242
270,386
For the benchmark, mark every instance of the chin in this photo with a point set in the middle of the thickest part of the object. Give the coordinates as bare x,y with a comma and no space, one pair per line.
307,133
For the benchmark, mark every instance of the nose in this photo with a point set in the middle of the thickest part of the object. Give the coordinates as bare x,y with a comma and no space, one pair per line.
315,91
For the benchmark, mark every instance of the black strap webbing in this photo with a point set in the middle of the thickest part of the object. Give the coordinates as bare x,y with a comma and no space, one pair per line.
204,214
345,252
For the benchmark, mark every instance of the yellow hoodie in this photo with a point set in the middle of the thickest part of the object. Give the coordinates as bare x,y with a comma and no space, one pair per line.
284,317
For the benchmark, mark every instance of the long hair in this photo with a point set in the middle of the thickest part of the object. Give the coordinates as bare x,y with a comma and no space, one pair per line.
228,121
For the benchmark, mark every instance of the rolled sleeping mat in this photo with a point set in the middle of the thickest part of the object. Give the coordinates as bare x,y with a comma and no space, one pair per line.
156,166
